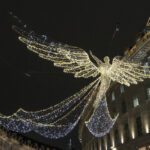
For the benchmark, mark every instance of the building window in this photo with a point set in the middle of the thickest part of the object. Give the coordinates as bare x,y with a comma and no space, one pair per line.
126,132
139,126
123,107
113,96
148,93
146,69
121,88
135,101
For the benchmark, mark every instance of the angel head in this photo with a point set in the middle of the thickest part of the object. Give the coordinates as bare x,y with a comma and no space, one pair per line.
106,59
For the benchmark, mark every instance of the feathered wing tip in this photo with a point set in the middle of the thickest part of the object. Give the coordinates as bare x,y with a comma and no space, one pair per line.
128,73
44,123
72,59
101,122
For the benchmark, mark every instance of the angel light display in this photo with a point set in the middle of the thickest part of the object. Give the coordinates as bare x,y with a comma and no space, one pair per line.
89,105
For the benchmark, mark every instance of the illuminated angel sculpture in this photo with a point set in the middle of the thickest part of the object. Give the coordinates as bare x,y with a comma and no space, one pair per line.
89,105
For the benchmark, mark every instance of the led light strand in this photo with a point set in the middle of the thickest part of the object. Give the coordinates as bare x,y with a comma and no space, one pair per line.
101,115
51,111
57,121
55,130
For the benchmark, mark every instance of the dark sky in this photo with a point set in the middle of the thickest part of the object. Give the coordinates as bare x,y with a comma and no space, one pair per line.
87,24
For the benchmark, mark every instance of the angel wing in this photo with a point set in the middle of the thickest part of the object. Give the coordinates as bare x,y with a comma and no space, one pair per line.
72,59
53,122
128,73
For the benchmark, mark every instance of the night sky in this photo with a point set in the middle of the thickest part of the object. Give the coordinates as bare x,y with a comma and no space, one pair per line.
87,24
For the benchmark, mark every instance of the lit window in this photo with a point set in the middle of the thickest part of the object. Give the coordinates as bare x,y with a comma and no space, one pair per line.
148,93
135,102
113,96
121,88
146,69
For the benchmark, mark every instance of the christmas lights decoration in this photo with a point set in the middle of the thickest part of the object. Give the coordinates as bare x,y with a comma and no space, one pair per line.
100,115
88,105
55,127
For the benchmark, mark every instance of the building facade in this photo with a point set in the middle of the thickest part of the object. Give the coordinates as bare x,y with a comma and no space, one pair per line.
13,141
132,128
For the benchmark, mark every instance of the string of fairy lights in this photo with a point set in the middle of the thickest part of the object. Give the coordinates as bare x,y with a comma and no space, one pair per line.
58,120
51,111
101,115
56,129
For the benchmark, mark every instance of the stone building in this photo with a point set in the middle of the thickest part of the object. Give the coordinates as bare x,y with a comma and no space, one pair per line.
132,129
13,141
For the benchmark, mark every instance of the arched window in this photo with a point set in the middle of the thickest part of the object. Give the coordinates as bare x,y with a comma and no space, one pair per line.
121,88
135,101
146,69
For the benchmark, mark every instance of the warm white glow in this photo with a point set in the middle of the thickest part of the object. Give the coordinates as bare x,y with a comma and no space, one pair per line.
146,123
113,148
122,138
133,133
142,148
99,144
147,127
105,140
113,141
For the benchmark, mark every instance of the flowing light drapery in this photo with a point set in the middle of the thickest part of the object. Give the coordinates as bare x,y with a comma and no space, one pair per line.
58,120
